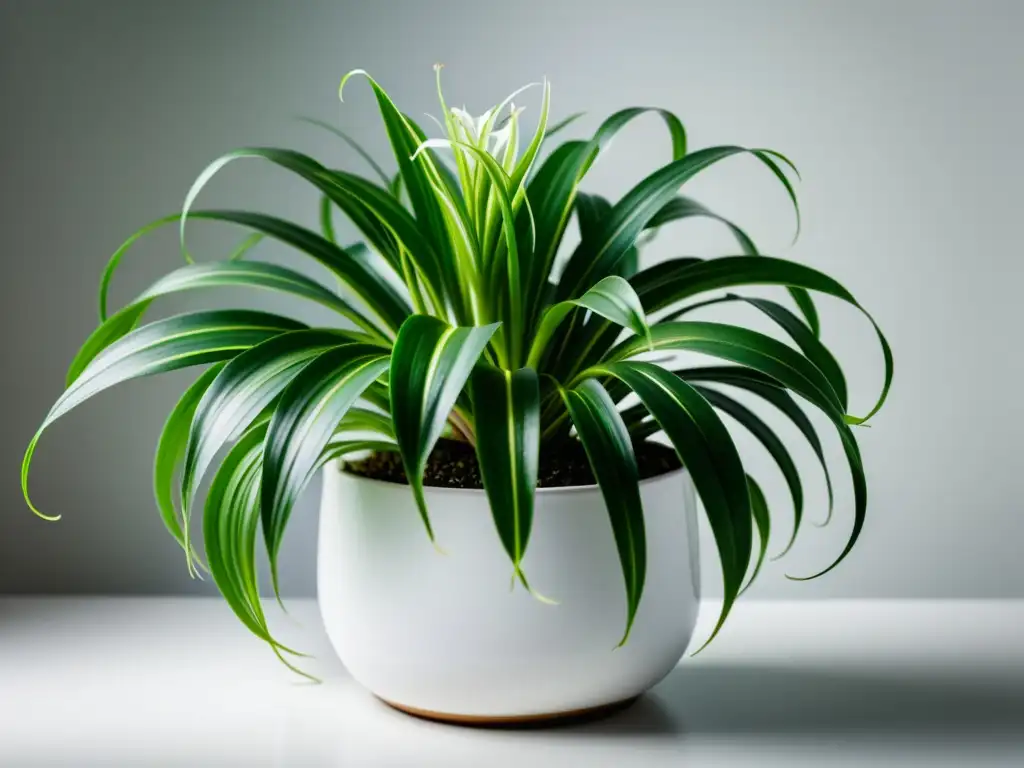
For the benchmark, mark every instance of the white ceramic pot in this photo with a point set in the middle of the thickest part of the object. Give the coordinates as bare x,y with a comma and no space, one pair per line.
445,636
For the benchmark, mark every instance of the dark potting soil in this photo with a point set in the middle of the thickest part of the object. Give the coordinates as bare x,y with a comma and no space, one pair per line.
453,464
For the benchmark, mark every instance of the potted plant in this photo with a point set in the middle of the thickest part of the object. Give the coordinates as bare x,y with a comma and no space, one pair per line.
484,417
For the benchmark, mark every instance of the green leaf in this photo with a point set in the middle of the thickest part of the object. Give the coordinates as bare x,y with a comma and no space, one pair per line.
220,274
166,345
512,284
374,210
365,420
775,447
170,452
338,448
246,386
307,414
746,347
706,449
230,522
675,283
771,392
616,122
598,257
612,298
590,212
782,363
562,124
430,364
506,407
418,176
768,156
355,145
763,521
610,453
681,207
805,339
552,192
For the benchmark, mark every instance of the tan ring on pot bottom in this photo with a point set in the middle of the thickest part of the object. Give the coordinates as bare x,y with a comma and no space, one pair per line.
542,718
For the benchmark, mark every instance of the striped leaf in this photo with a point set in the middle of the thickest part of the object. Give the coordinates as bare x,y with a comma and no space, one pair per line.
782,363
612,298
170,453
166,345
506,406
221,274
706,449
680,208
598,257
771,392
243,390
430,364
687,279
306,416
610,453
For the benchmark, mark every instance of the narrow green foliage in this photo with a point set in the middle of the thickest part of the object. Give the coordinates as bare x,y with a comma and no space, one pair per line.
507,408
430,364
610,452
461,312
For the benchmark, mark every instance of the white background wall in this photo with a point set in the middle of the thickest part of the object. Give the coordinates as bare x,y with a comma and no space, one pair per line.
905,118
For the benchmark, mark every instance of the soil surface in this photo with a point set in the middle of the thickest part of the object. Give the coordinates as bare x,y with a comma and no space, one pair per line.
453,464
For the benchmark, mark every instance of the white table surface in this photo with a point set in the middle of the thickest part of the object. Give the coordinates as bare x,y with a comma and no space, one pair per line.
158,681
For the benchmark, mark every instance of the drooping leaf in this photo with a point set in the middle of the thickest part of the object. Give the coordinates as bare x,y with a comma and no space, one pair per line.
679,208
706,449
246,386
166,345
687,279
373,209
170,452
219,274
552,193
771,392
786,366
775,447
305,418
230,523
804,337
506,407
763,522
610,453
430,364
598,257
745,347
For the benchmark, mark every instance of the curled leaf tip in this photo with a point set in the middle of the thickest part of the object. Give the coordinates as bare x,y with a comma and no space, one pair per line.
813,576
345,79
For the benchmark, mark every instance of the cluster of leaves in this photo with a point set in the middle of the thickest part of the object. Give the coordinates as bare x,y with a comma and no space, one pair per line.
460,319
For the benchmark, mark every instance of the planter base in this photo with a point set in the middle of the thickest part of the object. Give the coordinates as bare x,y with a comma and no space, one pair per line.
538,720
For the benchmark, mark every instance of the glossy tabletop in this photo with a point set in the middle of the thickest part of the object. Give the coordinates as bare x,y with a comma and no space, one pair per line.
177,681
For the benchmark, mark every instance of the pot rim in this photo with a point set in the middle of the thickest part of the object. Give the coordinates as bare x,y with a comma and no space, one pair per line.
337,464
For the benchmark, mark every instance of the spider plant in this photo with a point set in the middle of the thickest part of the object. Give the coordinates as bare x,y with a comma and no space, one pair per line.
455,316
